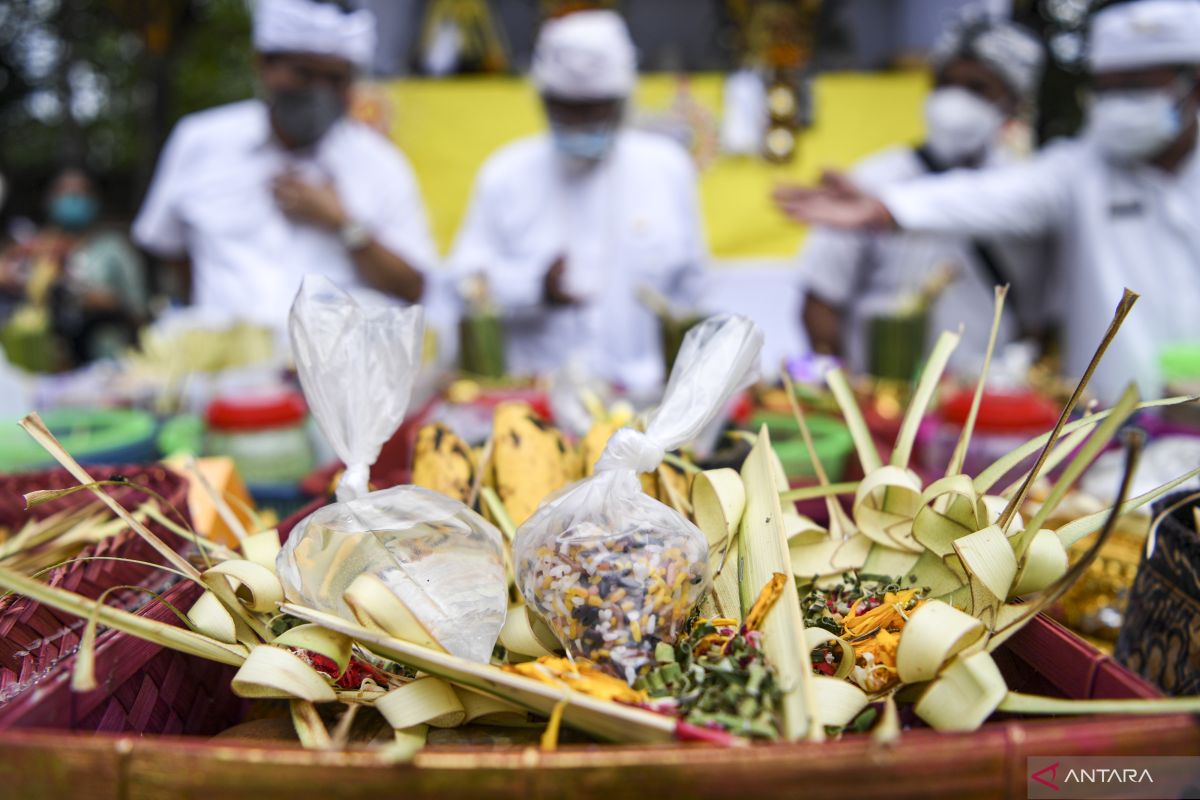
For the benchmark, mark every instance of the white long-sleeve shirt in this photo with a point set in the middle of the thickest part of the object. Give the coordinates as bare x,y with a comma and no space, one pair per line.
634,219
868,274
211,201
1114,227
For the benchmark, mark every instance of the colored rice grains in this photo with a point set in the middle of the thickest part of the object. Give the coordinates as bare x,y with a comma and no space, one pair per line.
612,597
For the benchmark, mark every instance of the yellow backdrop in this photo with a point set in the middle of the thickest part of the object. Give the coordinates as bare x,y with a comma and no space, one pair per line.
448,128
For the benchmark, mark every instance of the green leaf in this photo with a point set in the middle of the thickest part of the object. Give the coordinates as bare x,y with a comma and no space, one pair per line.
959,456
985,480
1097,442
183,640
864,444
1019,703
763,552
1015,502
917,406
1080,528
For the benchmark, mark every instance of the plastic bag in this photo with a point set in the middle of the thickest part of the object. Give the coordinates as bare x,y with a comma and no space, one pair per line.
440,559
357,365
612,570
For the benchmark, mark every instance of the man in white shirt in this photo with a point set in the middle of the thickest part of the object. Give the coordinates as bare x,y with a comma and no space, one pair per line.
568,226
986,71
259,193
1121,200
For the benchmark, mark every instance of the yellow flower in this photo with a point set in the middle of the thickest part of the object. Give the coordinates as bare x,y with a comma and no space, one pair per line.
582,676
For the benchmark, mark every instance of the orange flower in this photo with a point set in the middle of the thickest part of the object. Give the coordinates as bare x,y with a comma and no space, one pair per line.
892,613
766,601
875,635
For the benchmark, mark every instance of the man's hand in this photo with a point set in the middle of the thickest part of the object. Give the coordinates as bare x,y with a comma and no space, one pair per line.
553,292
314,203
835,202
318,204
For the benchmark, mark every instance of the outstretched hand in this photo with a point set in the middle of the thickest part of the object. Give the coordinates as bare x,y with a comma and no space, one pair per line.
835,202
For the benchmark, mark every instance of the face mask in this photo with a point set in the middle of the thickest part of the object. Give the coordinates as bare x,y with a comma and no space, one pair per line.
1134,125
961,126
303,116
74,212
585,143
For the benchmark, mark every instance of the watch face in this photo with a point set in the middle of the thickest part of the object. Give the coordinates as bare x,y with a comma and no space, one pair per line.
354,235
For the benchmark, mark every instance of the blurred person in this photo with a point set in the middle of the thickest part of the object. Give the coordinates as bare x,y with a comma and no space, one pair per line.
986,72
568,226
1121,200
256,194
81,280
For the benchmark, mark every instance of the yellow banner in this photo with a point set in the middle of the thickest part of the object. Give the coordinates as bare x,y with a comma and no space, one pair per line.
448,127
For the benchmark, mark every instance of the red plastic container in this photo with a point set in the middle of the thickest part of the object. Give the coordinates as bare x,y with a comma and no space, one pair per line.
1006,420
1001,412
253,412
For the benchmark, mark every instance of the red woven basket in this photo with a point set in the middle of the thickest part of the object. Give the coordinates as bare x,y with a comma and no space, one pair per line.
142,688
34,638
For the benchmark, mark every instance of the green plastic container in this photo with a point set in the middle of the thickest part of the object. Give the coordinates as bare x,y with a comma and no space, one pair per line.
897,345
1180,362
182,435
92,436
481,346
831,439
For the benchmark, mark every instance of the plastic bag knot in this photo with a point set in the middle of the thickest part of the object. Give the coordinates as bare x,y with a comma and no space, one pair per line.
355,482
631,449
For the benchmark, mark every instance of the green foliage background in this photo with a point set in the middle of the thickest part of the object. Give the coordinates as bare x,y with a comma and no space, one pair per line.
137,91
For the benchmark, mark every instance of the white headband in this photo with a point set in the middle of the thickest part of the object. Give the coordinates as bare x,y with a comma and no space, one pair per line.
587,55
303,26
1009,50
1147,33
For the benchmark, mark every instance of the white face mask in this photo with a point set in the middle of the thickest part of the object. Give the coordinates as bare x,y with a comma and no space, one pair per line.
1134,125
961,126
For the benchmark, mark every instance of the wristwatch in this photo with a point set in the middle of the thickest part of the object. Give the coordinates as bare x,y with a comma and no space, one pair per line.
354,235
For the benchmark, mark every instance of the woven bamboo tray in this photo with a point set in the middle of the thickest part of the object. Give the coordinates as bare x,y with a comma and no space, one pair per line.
34,638
146,692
